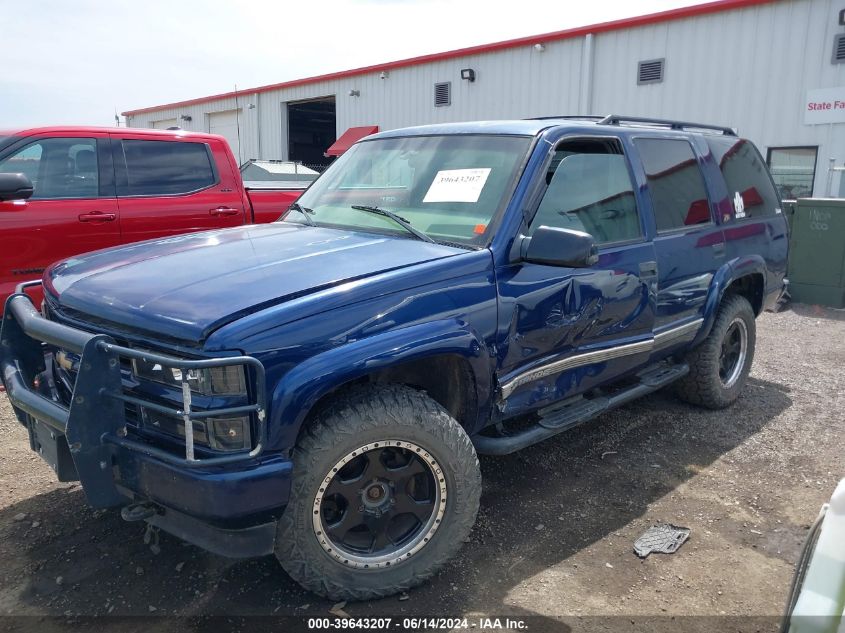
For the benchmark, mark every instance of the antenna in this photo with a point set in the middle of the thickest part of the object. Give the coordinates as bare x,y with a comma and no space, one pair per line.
116,118
238,125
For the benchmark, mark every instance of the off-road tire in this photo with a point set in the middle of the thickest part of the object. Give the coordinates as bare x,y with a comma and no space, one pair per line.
702,385
376,414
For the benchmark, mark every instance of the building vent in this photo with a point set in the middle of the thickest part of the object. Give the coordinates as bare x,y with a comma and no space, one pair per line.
839,48
443,93
651,71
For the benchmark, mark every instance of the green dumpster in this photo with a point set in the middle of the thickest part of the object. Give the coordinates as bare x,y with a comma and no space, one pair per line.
817,252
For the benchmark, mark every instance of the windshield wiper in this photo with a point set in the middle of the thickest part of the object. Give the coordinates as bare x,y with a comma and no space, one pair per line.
396,218
304,211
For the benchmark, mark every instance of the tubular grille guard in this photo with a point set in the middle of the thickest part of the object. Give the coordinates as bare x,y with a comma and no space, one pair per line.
96,416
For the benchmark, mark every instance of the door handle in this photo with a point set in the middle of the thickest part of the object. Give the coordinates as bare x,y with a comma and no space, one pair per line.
97,216
719,249
223,211
648,269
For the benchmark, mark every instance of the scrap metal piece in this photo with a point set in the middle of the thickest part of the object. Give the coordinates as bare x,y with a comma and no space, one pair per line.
664,539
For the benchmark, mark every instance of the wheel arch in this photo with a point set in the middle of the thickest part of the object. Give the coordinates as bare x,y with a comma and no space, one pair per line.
445,359
744,276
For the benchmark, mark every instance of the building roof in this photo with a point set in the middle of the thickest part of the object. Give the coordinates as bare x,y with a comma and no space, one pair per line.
544,38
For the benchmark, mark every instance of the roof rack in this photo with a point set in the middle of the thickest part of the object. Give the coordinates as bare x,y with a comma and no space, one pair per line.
617,119
588,117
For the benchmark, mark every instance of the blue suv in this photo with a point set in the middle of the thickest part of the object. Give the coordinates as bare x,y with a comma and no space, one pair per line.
319,388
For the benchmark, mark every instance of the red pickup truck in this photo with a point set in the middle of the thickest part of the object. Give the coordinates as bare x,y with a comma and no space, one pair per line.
93,188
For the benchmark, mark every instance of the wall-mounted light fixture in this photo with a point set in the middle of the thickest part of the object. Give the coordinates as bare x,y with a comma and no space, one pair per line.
354,93
384,74
468,74
539,47
250,106
186,117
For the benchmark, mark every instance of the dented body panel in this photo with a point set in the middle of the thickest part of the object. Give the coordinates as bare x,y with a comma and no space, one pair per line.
489,334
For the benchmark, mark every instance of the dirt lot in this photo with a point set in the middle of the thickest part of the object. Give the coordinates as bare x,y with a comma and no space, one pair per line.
557,522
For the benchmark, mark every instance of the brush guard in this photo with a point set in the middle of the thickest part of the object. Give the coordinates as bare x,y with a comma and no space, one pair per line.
79,440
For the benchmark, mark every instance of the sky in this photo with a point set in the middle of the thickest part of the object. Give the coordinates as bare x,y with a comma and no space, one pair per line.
80,61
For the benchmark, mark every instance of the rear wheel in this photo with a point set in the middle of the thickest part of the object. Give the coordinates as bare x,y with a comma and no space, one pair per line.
719,367
386,488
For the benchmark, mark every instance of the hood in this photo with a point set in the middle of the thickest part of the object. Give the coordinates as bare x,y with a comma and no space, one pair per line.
186,286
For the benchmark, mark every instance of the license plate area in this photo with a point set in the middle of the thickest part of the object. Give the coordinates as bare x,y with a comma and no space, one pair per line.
53,448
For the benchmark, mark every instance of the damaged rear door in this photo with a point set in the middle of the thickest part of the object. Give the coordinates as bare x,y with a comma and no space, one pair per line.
597,319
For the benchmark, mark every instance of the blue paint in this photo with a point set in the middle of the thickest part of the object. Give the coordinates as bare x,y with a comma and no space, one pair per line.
321,307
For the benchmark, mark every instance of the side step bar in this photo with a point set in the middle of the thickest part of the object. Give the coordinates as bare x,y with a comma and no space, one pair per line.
577,411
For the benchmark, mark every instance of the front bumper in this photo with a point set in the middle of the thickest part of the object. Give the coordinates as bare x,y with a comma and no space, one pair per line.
90,440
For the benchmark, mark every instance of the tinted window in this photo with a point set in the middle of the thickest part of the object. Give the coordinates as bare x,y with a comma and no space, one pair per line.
745,174
57,167
674,183
590,190
156,168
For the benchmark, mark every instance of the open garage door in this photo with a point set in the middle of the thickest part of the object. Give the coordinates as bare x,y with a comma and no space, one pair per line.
312,128
164,124
226,125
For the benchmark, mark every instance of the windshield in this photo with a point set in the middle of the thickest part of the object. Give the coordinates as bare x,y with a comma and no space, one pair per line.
448,187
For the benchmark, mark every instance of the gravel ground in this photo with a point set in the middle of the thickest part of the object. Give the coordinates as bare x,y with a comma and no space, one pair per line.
557,522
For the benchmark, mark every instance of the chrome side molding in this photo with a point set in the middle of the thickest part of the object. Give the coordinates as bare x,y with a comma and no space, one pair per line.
661,340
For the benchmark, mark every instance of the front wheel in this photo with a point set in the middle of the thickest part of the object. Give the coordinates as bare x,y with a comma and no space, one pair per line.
386,488
719,367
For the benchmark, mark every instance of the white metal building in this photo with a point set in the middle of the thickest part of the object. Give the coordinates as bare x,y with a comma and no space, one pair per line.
773,69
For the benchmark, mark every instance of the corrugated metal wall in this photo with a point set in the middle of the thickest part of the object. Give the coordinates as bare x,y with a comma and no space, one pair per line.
748,68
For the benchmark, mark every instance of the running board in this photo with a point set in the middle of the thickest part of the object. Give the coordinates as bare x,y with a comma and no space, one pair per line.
578,410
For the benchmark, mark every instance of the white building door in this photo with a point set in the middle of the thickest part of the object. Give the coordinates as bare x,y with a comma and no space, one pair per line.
164,124
226,124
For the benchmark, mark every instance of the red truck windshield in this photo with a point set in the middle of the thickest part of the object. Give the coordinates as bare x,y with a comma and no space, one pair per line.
448,187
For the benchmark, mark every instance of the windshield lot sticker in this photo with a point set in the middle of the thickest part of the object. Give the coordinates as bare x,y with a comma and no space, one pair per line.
457,185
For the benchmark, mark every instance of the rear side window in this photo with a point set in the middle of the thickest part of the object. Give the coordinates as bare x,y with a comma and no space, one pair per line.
590,190
157,168
746,176
675,183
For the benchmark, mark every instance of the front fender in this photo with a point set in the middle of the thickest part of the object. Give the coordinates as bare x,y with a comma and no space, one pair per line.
727,274
303,386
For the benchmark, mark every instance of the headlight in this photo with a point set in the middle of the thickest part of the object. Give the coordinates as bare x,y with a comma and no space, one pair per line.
218,381
225,434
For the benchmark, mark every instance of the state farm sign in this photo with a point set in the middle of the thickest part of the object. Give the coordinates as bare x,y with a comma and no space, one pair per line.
825,105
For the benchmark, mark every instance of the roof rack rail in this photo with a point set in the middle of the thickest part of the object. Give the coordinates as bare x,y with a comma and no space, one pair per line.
588,117
617,119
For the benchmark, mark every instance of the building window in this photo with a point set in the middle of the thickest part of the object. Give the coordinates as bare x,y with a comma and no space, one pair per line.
443,93
651,71
793,170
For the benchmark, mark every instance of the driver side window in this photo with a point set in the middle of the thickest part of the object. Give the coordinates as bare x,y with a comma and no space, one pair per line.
590,189
57,167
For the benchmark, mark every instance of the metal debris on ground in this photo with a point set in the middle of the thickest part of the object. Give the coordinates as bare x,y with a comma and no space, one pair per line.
664,539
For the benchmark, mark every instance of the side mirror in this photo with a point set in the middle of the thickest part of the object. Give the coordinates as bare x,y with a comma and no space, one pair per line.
15,187
560,247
